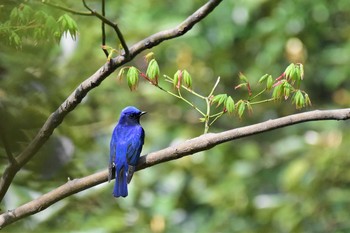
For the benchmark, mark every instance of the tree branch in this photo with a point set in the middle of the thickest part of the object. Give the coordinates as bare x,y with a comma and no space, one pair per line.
111,24
103,29
67,9
90,83
186,148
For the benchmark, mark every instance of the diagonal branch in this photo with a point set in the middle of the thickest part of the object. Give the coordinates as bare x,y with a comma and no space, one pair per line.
201,143
90,83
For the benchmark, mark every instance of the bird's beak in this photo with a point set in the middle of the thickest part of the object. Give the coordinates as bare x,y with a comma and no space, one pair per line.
142,113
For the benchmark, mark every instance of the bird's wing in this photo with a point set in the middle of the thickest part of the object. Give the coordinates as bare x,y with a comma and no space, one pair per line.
134,146
134,150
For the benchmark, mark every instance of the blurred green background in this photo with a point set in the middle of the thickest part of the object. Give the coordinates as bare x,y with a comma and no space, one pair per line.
295,179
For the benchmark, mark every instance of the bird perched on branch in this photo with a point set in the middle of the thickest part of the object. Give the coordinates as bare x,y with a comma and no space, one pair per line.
125,148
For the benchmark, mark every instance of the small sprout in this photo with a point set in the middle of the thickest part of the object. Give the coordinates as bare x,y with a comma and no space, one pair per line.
286,90
263,78
177,79
299,99
202,119
289,72
249,107
187,79
242,77
153,71
132,77
230,105
278,90
240,108
121,73
269,82
149,56
221,98
301,67
241,85
307,100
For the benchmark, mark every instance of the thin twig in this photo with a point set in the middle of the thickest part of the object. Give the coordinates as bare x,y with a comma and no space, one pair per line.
67,9
103,29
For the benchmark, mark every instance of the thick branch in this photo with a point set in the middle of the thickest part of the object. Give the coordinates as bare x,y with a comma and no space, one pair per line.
90,83
189,147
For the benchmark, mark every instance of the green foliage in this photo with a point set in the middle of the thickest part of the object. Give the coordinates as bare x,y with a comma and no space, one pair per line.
153,71
25,23
133,78
283,86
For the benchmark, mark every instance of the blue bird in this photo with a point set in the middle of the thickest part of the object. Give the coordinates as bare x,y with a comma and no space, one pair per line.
125,148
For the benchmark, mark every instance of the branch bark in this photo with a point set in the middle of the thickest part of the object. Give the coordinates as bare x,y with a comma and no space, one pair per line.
201,143
90,83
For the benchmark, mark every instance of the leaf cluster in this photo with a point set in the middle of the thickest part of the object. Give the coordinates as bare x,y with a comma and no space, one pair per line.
35,26
284,86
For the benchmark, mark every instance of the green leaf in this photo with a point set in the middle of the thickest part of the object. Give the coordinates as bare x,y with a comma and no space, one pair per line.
286,90
187,79
298,99
242,77
307,100
177,79
67,24
278,91
289,71
301,67
230,105
149,56
121,73
132,77
14,14
269,82
240,108
263,78
221,98
153,71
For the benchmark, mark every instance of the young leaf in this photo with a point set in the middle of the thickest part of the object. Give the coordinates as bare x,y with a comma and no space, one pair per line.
263,78
149,56
269,82
289,71
278,91
121,73
221,98
299,100
242,77
240,108
307,100
177,79
187,79
153,71
301,67
132,77
230,105
286,90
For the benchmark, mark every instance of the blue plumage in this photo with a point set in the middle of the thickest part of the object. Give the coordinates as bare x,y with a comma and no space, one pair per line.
125,149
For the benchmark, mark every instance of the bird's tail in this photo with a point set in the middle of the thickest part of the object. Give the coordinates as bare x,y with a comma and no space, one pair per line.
120,186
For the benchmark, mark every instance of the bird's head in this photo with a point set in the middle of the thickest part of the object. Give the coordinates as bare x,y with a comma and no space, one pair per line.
131,115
